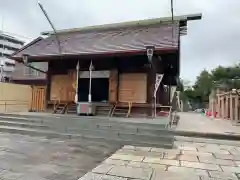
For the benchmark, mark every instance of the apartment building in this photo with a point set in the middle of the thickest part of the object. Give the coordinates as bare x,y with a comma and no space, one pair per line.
8,45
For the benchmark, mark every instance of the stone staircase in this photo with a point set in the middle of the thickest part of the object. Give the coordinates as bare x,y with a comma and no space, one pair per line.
60,108
124,131
71,108
103,110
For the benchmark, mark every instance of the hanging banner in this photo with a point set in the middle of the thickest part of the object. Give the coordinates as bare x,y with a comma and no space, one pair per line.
158,81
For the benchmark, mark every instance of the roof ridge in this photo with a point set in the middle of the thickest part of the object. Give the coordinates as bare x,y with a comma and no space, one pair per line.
27,45
127,24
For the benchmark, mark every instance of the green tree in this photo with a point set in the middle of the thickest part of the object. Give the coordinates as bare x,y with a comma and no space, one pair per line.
224,78
203,86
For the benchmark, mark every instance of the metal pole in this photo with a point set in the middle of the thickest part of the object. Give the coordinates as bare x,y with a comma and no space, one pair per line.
172,21
51,24
155,107
76,95
90,83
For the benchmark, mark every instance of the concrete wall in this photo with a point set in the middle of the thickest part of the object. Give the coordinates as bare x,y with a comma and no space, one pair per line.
15,97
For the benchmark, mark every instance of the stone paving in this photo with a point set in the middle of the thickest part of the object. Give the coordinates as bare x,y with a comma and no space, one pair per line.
188,161
38,158
196,122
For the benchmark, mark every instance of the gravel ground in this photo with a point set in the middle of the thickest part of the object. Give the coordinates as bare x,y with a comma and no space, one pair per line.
39,158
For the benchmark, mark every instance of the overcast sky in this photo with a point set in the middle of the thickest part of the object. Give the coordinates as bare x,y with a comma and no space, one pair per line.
212,41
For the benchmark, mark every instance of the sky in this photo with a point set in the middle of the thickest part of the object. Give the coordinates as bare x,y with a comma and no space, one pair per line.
212,41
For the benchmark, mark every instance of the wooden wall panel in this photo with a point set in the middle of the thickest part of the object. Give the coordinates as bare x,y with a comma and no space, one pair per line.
113,81
62,88
38,98
15,97
133,87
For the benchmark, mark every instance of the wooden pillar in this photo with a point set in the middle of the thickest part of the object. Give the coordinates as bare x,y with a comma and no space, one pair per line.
150,89
113,86
226,107
218,104
237,108
155,67
223,107
48,86
231,106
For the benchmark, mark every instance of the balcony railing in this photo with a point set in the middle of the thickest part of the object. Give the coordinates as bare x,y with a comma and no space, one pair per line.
6,51
10,44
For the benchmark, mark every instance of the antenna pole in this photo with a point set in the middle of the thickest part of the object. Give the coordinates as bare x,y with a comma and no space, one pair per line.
51,24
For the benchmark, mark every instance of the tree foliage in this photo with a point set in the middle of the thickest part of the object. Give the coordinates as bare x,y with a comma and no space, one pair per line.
223,78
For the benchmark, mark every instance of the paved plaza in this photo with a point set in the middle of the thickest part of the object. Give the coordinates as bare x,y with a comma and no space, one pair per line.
188,161
23,157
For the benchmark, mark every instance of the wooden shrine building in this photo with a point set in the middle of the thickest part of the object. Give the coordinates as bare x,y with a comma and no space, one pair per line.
125,59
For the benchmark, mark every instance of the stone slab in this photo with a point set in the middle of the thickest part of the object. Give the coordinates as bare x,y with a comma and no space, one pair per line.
188,148
161,161
161,175
157,150
234,152
103,168
94,176
218,151
131,172
224,156
188,158
216,161
233,169
185,170
237,163
196,153
227,147
147,149
147,165
171,155
139,153
125,157
198,165
223,175
128,147
116,162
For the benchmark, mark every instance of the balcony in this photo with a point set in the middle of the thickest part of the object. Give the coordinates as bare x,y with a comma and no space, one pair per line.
8,68
10,44
6,51
6,60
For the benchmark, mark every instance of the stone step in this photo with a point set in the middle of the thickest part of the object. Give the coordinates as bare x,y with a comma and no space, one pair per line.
120,139
99,131
144,121
91,123
21,119
90,127
123,135
22,124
